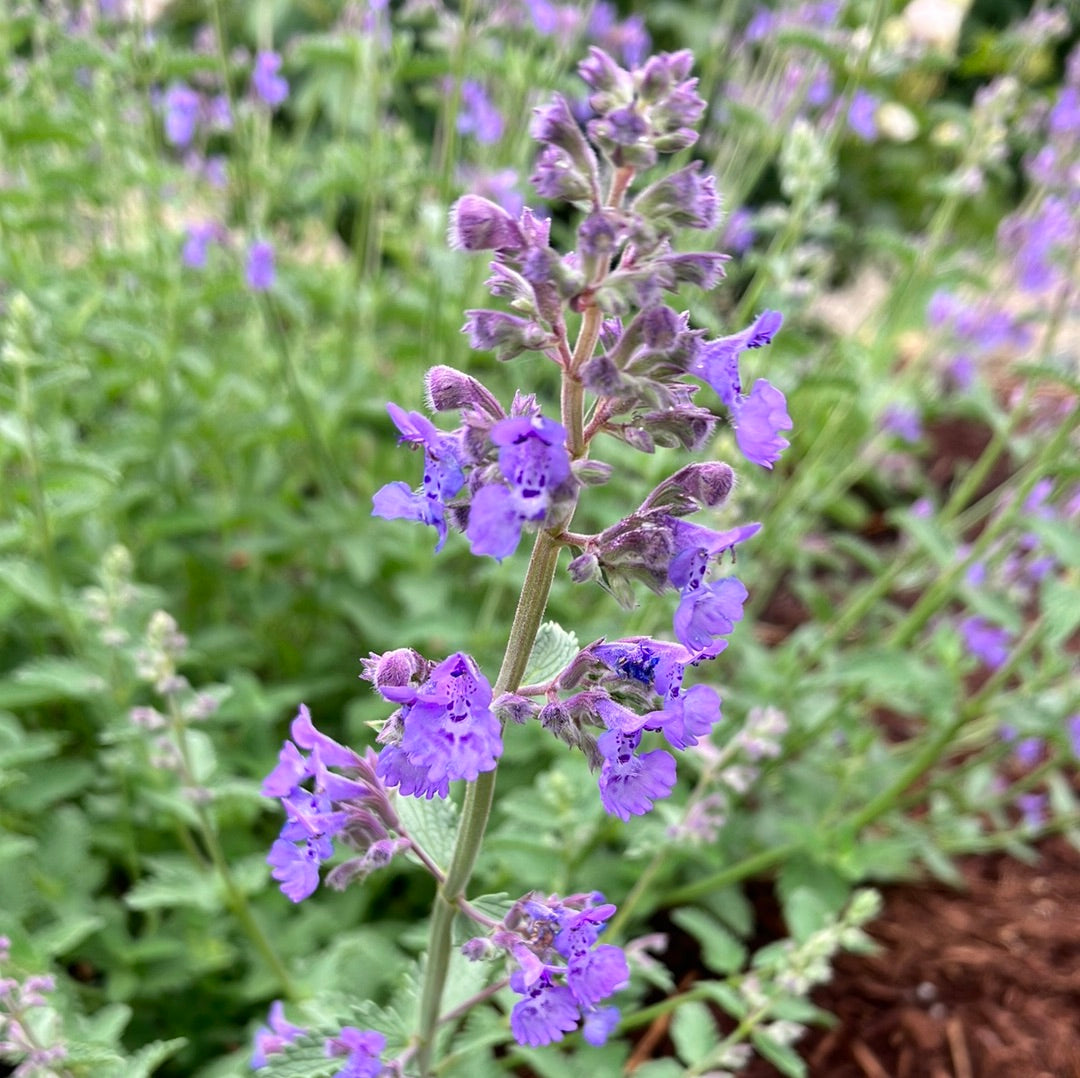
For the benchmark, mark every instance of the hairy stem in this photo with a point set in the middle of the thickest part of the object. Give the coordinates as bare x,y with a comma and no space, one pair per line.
480,795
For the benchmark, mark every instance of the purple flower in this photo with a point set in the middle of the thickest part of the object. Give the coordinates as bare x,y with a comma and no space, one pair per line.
599,1024
182,105
296,867
686,717
1028,751
362,1047
708,611
539,934
545,1014
739,232
478,116
1072,727
260,266
312,817
274,1038
197,243
718,361
411,780
1032,808
630,783
443,476
534,462
759,418
270,87
986,642
905,423
449,730
861,115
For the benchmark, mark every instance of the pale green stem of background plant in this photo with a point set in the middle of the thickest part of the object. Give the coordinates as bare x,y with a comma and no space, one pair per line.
208,833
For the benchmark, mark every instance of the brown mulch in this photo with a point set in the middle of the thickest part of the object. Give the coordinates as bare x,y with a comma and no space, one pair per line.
981,983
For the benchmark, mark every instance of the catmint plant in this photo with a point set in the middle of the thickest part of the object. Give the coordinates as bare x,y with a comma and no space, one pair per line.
500,471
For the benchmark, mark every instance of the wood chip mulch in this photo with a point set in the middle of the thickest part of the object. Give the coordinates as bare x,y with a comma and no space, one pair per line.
979,983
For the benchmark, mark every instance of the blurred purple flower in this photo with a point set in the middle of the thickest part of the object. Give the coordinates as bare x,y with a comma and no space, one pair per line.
1072,727
478,116
182,107
269,87
197,243
905,423
362,1047
986,642
274,1037
739,232
260,266
861,115
1028,751
1032,808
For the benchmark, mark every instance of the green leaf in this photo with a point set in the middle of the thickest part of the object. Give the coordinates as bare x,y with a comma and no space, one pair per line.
45,680
433,824
62,938
694,1032
659,1068
173,882
725,996
147,1059
811,895
553,650
782,1056
721,951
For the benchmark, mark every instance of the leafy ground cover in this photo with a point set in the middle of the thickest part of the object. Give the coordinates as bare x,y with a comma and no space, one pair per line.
223,249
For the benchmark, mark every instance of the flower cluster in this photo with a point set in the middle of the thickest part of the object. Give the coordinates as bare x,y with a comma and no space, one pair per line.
21,1038
444,728
355,808
562,972
361,1048
491,478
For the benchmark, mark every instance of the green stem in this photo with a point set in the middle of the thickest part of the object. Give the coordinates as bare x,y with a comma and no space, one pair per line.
208,833
480,795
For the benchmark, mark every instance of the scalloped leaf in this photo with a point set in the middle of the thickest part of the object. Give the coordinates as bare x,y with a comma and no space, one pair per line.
553,650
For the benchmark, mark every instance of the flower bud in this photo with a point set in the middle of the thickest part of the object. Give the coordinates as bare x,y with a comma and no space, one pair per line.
504,334
449,389
478,224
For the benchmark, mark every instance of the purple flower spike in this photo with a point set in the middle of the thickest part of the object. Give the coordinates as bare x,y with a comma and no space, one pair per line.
759,418
270,87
